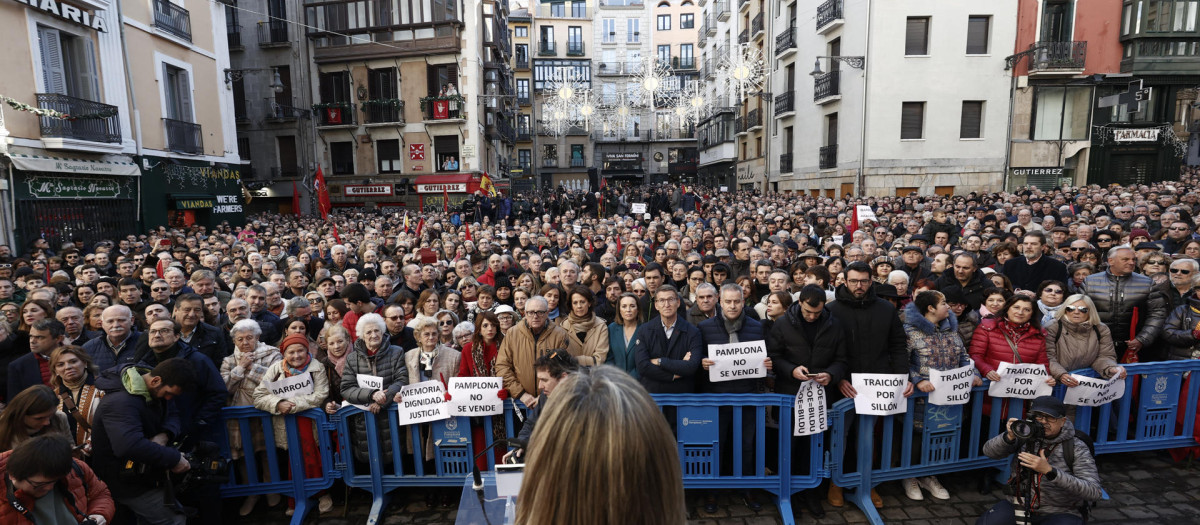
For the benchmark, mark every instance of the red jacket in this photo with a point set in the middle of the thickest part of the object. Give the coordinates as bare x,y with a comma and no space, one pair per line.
94,499
488,278
989,347
466,365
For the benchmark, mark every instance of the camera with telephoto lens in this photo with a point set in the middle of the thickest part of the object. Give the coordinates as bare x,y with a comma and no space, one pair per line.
207,465
1028,429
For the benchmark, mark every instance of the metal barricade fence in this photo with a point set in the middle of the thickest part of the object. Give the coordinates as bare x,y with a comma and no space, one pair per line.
288,479
1158,411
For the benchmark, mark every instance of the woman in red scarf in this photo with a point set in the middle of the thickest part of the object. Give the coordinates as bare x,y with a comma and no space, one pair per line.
479,360
297,361
1014,335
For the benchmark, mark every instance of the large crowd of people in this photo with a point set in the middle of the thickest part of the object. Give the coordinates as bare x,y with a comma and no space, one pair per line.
129,348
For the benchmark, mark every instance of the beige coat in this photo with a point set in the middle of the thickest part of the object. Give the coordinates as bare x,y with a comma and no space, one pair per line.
1078,347
267,402
594,346
241,383
445,365
520,349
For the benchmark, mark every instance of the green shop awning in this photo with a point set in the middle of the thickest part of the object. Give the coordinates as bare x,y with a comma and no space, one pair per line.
193,201
106,165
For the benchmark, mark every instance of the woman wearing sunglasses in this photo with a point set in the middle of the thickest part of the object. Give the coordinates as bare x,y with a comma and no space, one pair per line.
1077,339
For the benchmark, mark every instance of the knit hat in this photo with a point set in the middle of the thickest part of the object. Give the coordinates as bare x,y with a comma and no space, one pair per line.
1138,232
294,339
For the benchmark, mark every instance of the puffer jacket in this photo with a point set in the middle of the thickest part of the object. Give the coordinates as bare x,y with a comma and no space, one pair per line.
1071,346
1178,331
877,344
90,495
788,348
267,402
930,346
1075,484
387,363
989,348
1117,296
714,332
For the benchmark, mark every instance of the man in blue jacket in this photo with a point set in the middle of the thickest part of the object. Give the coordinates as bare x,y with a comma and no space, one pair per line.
732,325
133,424
668,350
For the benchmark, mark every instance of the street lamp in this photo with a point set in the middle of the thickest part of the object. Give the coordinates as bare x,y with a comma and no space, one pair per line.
235,75
854,62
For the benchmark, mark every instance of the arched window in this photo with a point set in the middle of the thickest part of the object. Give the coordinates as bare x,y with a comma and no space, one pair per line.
664,4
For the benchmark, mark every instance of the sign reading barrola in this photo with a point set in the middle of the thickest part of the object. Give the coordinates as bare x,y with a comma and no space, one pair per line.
811,417
289,387
422,402
1093,392
951,387
737,361
879,394
1023,381
475,396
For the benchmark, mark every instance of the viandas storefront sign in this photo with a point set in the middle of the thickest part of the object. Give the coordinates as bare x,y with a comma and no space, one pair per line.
74,187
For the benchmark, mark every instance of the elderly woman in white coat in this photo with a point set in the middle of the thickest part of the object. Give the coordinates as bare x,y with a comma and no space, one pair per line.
431,360
242,372
297,363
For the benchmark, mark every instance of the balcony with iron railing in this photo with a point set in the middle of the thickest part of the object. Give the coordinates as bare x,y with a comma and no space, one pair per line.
524,100
524,134
829,16
440,108
233,35
383,111
547,48
785,163
563,10
273,34
578,163
743,5
336,114
704,32
754,119
739,124
91,121
549,162
184,137
785,103
710,69
744,36
279,111
785,42
172,19
710,25
688,63
827,157
756,27
507,134
574,48
522,63
1057,58
722,9
827,86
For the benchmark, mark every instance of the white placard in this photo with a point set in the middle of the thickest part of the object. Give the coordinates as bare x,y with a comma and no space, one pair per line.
1022,381
370,382
879,394
422,403
811,417
476,396
724,189
951,387
865,213
737,361
576,228
837,239
1093,392
289,387
637,207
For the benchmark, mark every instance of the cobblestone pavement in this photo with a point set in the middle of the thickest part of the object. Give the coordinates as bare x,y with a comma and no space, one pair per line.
1144,487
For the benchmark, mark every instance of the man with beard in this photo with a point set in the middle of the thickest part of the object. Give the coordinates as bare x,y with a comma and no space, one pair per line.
1031,270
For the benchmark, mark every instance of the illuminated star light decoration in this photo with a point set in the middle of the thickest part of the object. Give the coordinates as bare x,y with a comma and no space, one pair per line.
743,71
566,101
618,115
654,80
689,106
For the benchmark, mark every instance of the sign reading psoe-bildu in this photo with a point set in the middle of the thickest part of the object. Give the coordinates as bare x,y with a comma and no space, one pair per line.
368,190
442,188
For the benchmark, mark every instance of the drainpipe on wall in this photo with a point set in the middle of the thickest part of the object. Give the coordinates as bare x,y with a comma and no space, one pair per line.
861,183
137,117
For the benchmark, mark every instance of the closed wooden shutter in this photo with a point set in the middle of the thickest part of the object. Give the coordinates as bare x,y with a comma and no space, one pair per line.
89,78
184,90
977,34
916,37
972,120
54,73
912,120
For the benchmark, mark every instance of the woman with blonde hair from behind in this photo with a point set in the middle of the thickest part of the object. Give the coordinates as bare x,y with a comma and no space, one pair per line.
602,453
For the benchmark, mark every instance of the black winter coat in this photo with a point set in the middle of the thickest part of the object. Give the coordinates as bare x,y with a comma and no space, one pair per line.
713,332
876,340
121,430
788,348
652,343
973,290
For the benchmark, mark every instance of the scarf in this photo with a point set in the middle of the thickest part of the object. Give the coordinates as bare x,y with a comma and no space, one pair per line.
479,351
427,362
339,363
580,324
734,326
1014,332
289,371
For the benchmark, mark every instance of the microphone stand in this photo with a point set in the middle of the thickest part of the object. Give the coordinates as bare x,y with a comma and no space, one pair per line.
476,475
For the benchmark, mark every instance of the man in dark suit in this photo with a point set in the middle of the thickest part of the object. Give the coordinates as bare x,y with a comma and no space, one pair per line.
72,320
205,338
34,368
397,332
669,350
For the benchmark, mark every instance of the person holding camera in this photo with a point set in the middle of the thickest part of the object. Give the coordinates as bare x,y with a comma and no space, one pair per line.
1054,472
133,426
45,484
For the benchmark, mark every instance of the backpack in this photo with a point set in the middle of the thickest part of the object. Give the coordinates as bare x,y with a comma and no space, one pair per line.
1069,457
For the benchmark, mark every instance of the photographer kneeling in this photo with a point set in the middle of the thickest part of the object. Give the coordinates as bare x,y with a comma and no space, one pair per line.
1054,473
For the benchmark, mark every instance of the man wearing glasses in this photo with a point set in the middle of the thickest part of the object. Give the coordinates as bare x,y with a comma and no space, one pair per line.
1178,233
1118,293
529,339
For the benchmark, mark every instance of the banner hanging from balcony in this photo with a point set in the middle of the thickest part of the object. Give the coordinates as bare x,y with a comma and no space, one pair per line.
50,113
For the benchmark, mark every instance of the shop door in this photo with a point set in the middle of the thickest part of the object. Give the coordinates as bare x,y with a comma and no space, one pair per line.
59,220
1130,169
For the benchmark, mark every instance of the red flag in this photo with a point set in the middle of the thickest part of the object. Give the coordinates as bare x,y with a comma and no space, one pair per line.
295,199
853,225
445,201
420,226
322,190
336,237
1131,355
468,227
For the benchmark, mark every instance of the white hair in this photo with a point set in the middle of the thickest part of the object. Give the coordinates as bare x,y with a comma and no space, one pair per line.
897,276
463,328
246,325
367,320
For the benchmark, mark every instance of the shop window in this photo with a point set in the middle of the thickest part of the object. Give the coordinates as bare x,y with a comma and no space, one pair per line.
1061,113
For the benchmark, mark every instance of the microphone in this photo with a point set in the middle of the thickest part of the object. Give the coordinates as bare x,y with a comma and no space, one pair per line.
476,475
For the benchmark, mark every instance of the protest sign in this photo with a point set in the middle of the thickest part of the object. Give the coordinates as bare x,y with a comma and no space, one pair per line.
1093,392
737,361
637,207
879,394
1022,381
475,396
289,387
951,387
865,213
811,417
369,382
422,402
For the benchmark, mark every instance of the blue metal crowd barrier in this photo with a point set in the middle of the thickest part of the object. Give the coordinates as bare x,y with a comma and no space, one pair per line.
288,479
863,450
